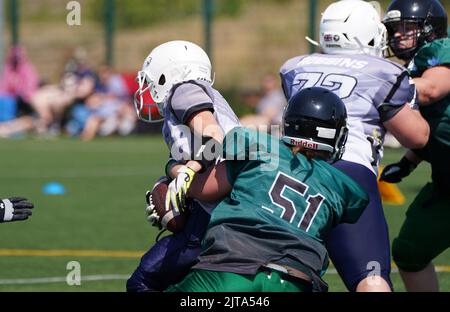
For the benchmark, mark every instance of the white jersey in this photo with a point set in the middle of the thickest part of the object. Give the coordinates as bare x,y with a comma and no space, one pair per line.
184,100
373,90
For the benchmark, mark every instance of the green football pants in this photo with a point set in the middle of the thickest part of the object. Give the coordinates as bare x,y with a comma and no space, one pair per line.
214,281
425,232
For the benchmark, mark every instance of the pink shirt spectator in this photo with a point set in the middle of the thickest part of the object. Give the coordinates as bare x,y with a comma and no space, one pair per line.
19,77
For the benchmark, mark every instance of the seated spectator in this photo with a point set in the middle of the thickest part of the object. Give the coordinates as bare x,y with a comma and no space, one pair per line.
109,106
18,83
77,83
19,79
269,110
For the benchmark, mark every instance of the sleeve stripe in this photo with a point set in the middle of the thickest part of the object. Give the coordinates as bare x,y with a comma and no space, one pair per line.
395,87
388,111
197,108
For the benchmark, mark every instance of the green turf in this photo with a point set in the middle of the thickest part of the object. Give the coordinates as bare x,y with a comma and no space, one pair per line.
103,208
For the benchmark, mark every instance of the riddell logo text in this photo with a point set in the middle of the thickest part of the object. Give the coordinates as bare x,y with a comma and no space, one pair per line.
306,144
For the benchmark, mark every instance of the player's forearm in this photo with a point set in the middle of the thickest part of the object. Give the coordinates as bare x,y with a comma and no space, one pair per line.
409,128
204,124
427,91
412,157
433,85
211,185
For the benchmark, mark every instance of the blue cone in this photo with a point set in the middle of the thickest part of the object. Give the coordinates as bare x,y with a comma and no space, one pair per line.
54,188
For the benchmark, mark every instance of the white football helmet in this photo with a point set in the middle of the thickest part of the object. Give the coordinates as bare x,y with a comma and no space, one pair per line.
168,64
352,27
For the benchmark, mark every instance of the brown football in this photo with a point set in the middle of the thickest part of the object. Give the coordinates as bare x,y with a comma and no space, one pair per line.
171,219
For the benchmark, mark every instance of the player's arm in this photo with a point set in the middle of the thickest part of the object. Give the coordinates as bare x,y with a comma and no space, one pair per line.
212,185
204,126
433,85
408,127
405,123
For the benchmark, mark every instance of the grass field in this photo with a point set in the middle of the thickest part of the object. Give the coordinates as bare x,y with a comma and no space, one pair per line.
99,222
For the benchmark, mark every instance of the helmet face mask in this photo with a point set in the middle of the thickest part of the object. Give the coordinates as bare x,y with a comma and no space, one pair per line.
413,23
168,64
316,119
352,27
405,37
146,108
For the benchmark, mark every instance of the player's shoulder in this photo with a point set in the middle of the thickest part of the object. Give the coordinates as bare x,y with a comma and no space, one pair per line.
291,63
435,46
190,92
192,86
242,140
339,179
434,53
240,133
382,65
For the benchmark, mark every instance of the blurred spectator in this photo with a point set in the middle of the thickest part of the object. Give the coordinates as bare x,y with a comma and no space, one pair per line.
108,109
19,78
77,83
18,83
269,110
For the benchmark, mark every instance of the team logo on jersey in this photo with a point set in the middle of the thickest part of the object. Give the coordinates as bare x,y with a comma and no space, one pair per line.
434,61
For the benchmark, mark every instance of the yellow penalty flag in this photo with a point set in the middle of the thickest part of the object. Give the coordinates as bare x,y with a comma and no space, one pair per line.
390,193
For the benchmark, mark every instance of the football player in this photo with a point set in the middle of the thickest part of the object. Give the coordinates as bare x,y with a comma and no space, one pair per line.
15,209
418,35
177,75
378,96
270,236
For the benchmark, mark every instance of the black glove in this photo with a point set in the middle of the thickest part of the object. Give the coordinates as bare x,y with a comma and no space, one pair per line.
394,173
14,209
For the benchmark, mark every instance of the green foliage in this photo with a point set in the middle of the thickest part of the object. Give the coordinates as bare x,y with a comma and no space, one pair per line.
235,97
139,13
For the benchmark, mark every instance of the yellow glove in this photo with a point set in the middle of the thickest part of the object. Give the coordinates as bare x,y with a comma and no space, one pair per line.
178,188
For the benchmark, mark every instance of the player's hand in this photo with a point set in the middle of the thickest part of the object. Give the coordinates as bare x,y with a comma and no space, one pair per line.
178,188
150,211
394,173
14,209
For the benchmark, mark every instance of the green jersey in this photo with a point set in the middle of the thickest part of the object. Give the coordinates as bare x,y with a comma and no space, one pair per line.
437,150
279,210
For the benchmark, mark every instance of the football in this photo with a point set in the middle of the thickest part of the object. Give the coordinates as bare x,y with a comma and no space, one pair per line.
172,220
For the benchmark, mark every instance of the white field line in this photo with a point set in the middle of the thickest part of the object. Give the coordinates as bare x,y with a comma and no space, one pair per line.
112,277
48,280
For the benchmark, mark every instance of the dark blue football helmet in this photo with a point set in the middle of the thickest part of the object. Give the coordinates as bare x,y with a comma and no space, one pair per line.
421,21
316,119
